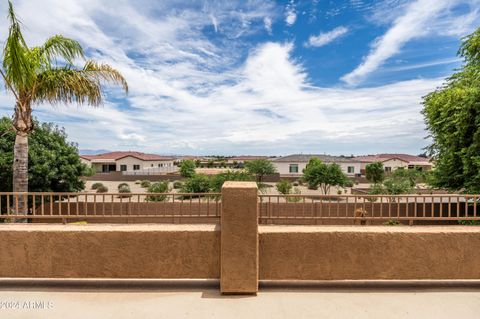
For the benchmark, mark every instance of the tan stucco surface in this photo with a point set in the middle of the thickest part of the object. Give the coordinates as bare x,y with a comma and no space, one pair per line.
342,252
285,252
239,238
110,251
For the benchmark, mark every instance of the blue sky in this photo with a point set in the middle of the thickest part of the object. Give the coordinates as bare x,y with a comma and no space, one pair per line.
255,77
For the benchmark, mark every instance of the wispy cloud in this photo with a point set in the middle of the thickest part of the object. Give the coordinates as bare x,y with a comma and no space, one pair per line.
412,24
325,38
418,19
290,13
193,94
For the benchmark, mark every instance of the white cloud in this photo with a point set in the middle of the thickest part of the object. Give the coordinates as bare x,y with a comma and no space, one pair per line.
189,95
267,21
325,38
412,24
290,14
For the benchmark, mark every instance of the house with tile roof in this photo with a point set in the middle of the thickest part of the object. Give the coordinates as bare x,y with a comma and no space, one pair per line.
392,162
293,165
126,161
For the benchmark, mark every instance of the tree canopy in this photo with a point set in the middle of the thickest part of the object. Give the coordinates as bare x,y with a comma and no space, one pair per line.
187,168
54,162
318,174
260,168
375,172
452,115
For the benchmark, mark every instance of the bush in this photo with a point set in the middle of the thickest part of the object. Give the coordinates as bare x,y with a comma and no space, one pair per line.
123,185
284,187
102,189
469,222
96,185
199,183
296,183
392,222
138,182
158,188
124,190
145,183
295,191
177,185
187,168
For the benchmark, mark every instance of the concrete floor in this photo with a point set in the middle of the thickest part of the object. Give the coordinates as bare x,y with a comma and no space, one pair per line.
206,302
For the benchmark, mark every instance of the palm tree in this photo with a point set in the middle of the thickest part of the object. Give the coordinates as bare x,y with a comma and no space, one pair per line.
46,74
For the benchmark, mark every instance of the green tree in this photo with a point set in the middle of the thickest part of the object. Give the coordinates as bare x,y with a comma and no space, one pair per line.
318,174
46,73
452,115
199,183
400,182
54,162
187,168
260,168
375,172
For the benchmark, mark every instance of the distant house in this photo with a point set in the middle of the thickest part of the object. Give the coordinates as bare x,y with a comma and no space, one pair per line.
126,161
293,165
245,158
391,162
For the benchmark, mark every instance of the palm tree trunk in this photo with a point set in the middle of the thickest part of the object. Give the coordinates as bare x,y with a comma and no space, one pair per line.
20,173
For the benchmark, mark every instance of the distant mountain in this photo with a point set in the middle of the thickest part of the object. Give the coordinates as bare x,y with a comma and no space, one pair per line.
92,152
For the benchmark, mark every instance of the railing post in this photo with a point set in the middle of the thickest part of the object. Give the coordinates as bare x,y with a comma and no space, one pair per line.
239,238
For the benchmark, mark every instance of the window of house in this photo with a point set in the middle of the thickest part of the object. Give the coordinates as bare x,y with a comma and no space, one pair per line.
151,165
388,169
351,169
123,167
293,168
136,167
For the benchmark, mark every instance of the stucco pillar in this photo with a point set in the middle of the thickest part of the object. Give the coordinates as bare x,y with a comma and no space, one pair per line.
239,238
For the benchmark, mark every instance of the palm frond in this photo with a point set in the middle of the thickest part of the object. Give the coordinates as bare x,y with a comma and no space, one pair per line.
78,86
17,67
60,47
105,73
68,86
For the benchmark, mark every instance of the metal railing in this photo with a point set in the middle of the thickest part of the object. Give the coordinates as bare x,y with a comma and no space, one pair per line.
369,209
110,207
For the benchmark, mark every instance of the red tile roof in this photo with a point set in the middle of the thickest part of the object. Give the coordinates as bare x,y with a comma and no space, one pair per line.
118,155
386,157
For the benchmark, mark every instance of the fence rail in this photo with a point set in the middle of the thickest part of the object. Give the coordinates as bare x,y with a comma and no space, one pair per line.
368,209
110,207
206,207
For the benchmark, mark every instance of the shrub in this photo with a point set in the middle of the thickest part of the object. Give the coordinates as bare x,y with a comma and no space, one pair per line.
96,185
177,185
145,183
469,222
187,168
123,185
102,189
124,190
199,183
284,187
392,222
138,182
296,183
295,191
158,188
